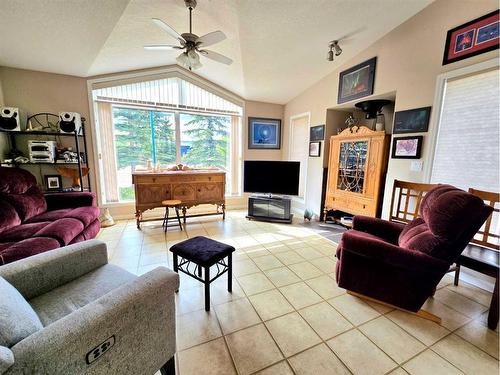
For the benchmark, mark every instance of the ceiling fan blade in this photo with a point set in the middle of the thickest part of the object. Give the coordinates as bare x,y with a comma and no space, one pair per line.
161,47
211,38
216,57
170,31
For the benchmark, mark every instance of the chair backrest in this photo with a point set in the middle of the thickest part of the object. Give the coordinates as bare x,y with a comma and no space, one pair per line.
488,235
406,199
449,219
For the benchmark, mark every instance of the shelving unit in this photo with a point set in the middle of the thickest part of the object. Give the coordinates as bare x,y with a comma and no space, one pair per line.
13,135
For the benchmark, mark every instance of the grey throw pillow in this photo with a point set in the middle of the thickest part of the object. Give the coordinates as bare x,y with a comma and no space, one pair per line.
18,320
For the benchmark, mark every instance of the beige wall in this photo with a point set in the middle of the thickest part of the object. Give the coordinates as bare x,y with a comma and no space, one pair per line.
266,110
409,59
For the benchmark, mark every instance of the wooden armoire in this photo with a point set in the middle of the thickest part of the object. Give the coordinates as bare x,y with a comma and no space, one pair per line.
356,171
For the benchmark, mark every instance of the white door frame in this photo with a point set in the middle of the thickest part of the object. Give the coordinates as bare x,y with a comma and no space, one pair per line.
437,109
290,142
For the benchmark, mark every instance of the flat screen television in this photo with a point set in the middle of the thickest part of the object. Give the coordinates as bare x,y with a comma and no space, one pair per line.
274,177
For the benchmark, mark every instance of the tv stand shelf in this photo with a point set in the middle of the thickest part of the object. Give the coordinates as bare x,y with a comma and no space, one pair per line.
270,208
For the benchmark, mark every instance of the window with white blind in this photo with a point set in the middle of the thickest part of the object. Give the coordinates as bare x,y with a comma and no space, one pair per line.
163,122
467,148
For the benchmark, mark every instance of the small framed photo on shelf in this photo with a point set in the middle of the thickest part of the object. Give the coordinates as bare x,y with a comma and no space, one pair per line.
357,82
53,182
264,133
314,149
472,38
317,133
412,120
407,147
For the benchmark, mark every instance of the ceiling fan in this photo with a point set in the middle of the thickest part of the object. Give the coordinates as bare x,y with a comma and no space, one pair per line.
191,43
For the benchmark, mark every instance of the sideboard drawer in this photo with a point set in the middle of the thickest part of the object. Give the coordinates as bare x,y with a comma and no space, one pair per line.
183,192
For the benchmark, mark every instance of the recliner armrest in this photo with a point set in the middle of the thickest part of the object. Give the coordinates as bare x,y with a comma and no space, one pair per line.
388,253
43,272
139,315
387,230
69,200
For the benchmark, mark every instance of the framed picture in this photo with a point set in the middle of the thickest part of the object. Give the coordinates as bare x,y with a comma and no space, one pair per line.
407,147
317,133
314,149
264,133
472,38
412,120
357,81
53,182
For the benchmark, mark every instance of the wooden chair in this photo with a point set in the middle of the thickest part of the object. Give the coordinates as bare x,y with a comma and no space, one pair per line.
405,201
482,254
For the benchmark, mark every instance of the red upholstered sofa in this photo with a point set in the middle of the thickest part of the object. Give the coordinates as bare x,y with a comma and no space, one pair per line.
31,222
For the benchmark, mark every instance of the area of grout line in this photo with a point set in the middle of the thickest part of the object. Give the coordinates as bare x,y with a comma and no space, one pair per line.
256,232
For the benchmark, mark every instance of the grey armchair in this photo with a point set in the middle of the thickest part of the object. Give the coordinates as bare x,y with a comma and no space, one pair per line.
68,311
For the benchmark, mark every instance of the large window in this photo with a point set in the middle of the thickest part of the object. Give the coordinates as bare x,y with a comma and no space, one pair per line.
162,123
141,137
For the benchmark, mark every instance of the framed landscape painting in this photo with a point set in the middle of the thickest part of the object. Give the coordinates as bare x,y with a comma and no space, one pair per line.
317,133
412,120
357,82
472,38
407,147
264,133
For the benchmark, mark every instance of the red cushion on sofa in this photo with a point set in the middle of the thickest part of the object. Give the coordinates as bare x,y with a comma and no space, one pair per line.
15,180
28,204
64,230
8,217
10,252
86,215
49,216
417,236
22,232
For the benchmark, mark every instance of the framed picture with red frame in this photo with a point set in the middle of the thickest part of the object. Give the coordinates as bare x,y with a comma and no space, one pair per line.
472,38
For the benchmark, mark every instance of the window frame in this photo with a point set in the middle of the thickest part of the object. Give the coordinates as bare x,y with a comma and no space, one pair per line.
236,158
437,109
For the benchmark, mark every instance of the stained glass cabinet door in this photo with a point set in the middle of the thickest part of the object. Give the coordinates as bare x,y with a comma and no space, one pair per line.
356,171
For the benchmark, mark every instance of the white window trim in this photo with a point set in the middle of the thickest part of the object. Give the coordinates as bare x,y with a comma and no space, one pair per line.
172,70
301,200
437,108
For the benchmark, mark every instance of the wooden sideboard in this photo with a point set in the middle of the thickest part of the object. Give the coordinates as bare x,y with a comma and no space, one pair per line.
192,187
356,171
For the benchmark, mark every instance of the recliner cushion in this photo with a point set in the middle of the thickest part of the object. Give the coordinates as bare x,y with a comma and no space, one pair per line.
86,215
8,216
18,320
49,216
28,204
21,232
70,297
63,230
12,251
416,235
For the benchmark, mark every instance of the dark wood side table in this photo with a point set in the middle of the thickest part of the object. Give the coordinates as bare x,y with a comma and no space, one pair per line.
197,255
485,261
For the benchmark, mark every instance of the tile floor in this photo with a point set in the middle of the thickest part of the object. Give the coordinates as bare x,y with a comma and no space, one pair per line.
286,314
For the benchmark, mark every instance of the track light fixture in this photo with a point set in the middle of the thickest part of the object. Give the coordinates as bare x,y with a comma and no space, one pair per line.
334,48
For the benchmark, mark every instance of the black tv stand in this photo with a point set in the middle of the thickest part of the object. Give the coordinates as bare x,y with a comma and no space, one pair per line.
276,209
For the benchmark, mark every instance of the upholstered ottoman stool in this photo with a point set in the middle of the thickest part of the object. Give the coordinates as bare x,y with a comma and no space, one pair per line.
198,254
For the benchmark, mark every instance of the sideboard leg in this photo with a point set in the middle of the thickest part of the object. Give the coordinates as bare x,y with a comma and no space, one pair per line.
184,210
138,216
223,211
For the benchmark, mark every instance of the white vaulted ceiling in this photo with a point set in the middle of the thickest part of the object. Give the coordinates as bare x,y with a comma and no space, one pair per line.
278,47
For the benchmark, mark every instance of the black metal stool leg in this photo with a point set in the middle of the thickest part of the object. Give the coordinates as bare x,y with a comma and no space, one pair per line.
230,272
207,288
166,218
178,217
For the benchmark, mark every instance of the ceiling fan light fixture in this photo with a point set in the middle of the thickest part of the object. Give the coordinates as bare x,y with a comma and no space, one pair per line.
189,60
